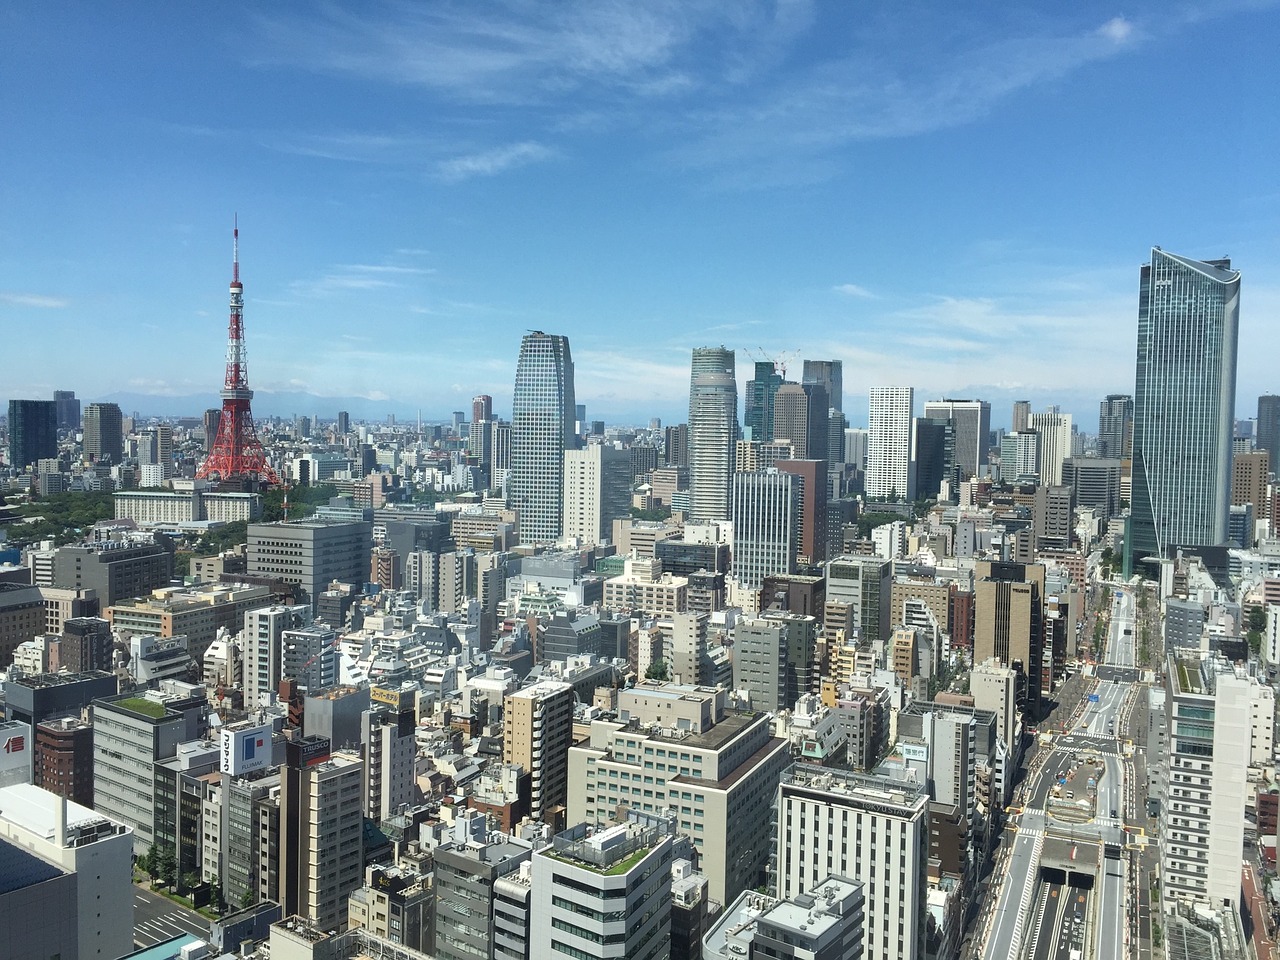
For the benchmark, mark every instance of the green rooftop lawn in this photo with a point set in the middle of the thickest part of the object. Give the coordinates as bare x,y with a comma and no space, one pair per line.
148,708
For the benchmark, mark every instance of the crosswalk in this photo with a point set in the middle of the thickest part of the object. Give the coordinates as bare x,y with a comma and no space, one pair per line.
151,928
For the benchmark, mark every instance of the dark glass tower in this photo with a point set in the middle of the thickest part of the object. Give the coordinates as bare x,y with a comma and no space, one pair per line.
33,431
542,428
1184,404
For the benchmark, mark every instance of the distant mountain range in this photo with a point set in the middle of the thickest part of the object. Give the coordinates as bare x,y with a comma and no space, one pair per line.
269,404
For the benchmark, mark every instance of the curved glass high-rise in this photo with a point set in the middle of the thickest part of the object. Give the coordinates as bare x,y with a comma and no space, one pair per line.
1183,404
713,428
542,412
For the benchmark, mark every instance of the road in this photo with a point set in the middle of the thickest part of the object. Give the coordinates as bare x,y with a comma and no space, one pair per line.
1016,924
156,919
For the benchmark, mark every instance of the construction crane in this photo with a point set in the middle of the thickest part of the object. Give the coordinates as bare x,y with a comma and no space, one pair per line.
779,361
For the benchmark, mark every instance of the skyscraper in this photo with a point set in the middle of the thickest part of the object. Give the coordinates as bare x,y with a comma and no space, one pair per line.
1021,415
971,428
1115,426
889,443
481,408
765,524
828,374
68,409
791,418
1268,432
542,429
1184,404
103,433
713,428
33,431
1054,429
757,412
597,491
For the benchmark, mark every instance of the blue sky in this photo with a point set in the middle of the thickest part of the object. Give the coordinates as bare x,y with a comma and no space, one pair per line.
951,196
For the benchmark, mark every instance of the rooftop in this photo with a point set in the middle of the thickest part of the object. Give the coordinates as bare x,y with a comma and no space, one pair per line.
36,811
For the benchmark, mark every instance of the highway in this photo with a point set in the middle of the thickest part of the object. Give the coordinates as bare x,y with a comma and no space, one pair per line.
1023,920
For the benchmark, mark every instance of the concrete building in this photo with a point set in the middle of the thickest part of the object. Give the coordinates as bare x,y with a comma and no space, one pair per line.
597,491
1210,725
130,735
390,749
824,924
1009,621
192,504
478,916
889,470
262,649
1053,517
1184,405
115,570
310,553
643,587
1054,431
677,746
620,904
773,660
971,428
859,597
1096,482
1249,476
870,829
542,429
811,508
1115,427
22,617
36,699
96,849
1020,457
103,433
197,613
64,759
310,656
396,904
321,832
537,730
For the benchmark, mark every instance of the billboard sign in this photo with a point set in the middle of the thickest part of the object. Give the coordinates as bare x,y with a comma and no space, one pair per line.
246,748
16,753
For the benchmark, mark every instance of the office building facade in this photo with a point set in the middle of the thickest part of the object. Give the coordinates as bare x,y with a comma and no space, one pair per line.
542,429
766,525
870,829
310,554
103,433
971,429
597,491
33,432
1115,426
1184,404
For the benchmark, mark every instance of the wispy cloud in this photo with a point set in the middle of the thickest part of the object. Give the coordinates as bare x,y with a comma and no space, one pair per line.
345,278
40,301
854,290
492,162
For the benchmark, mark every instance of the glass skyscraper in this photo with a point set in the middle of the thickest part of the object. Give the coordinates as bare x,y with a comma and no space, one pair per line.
542,428
1184,404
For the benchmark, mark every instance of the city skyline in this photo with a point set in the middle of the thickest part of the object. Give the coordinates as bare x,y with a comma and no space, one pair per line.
420,186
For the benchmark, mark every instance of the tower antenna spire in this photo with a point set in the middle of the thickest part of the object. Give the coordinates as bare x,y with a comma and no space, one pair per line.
235,248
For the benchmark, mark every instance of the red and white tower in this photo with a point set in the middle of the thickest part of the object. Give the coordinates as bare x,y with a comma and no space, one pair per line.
237,454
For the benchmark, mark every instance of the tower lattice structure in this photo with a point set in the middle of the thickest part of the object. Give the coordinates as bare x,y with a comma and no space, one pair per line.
237,451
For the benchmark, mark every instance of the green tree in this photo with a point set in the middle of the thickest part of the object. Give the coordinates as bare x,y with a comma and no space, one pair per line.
149,862
246,898
658,670
1258,618
167,869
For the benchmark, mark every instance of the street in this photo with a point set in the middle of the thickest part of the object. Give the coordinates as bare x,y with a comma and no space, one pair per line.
156,919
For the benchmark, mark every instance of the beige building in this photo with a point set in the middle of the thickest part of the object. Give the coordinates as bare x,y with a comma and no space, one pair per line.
1249,481
537,730
639,536
194,612
1008,621
934,594
643,587
190,502
676,748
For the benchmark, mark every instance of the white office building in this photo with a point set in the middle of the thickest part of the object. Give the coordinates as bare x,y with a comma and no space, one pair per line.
870,829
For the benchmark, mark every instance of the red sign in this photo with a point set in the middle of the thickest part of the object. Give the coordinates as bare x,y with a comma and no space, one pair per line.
15,744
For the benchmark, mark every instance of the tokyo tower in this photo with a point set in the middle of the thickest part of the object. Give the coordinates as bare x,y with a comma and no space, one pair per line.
236,456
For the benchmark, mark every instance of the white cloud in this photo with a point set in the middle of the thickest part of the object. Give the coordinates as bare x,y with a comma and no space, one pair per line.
854,290
34,300
1117,30
491,162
